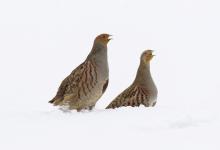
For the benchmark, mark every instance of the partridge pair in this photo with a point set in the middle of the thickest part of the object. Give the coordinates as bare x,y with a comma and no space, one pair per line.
87,83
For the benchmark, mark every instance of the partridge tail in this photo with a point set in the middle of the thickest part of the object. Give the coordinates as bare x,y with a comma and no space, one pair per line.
113,105
109,107
51,101
56,101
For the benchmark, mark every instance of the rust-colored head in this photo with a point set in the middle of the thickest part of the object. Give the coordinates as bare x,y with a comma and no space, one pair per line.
103,38
147,55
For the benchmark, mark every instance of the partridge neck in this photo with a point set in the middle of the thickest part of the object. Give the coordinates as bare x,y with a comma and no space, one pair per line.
99,55
98,51
143,74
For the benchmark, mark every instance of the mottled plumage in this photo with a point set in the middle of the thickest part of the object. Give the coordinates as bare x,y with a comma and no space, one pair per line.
86,84
142,91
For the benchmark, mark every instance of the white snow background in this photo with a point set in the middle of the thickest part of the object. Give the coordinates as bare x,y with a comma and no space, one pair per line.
42,41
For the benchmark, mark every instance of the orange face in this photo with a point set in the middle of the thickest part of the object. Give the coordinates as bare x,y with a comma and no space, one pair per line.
103,38
147,55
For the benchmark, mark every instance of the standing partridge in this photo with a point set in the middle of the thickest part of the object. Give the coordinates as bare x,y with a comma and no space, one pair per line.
87,83
142,90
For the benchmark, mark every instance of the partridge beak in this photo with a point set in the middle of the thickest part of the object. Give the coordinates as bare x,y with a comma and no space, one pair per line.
109,37
152,53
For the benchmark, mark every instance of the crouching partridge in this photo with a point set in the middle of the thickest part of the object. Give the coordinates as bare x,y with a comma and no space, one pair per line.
142,90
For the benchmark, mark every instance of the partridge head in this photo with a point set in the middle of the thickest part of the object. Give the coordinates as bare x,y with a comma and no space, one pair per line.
147,56
103,39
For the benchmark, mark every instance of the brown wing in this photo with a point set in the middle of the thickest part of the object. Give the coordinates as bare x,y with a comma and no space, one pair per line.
132,96
79,82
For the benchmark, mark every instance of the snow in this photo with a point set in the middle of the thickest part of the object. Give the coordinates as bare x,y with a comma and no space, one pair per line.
126,128
42,41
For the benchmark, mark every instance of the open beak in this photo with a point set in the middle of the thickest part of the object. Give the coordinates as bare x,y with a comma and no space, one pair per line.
109,37
152,53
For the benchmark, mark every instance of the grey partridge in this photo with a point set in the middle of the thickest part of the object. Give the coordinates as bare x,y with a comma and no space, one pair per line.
142,90
87,83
